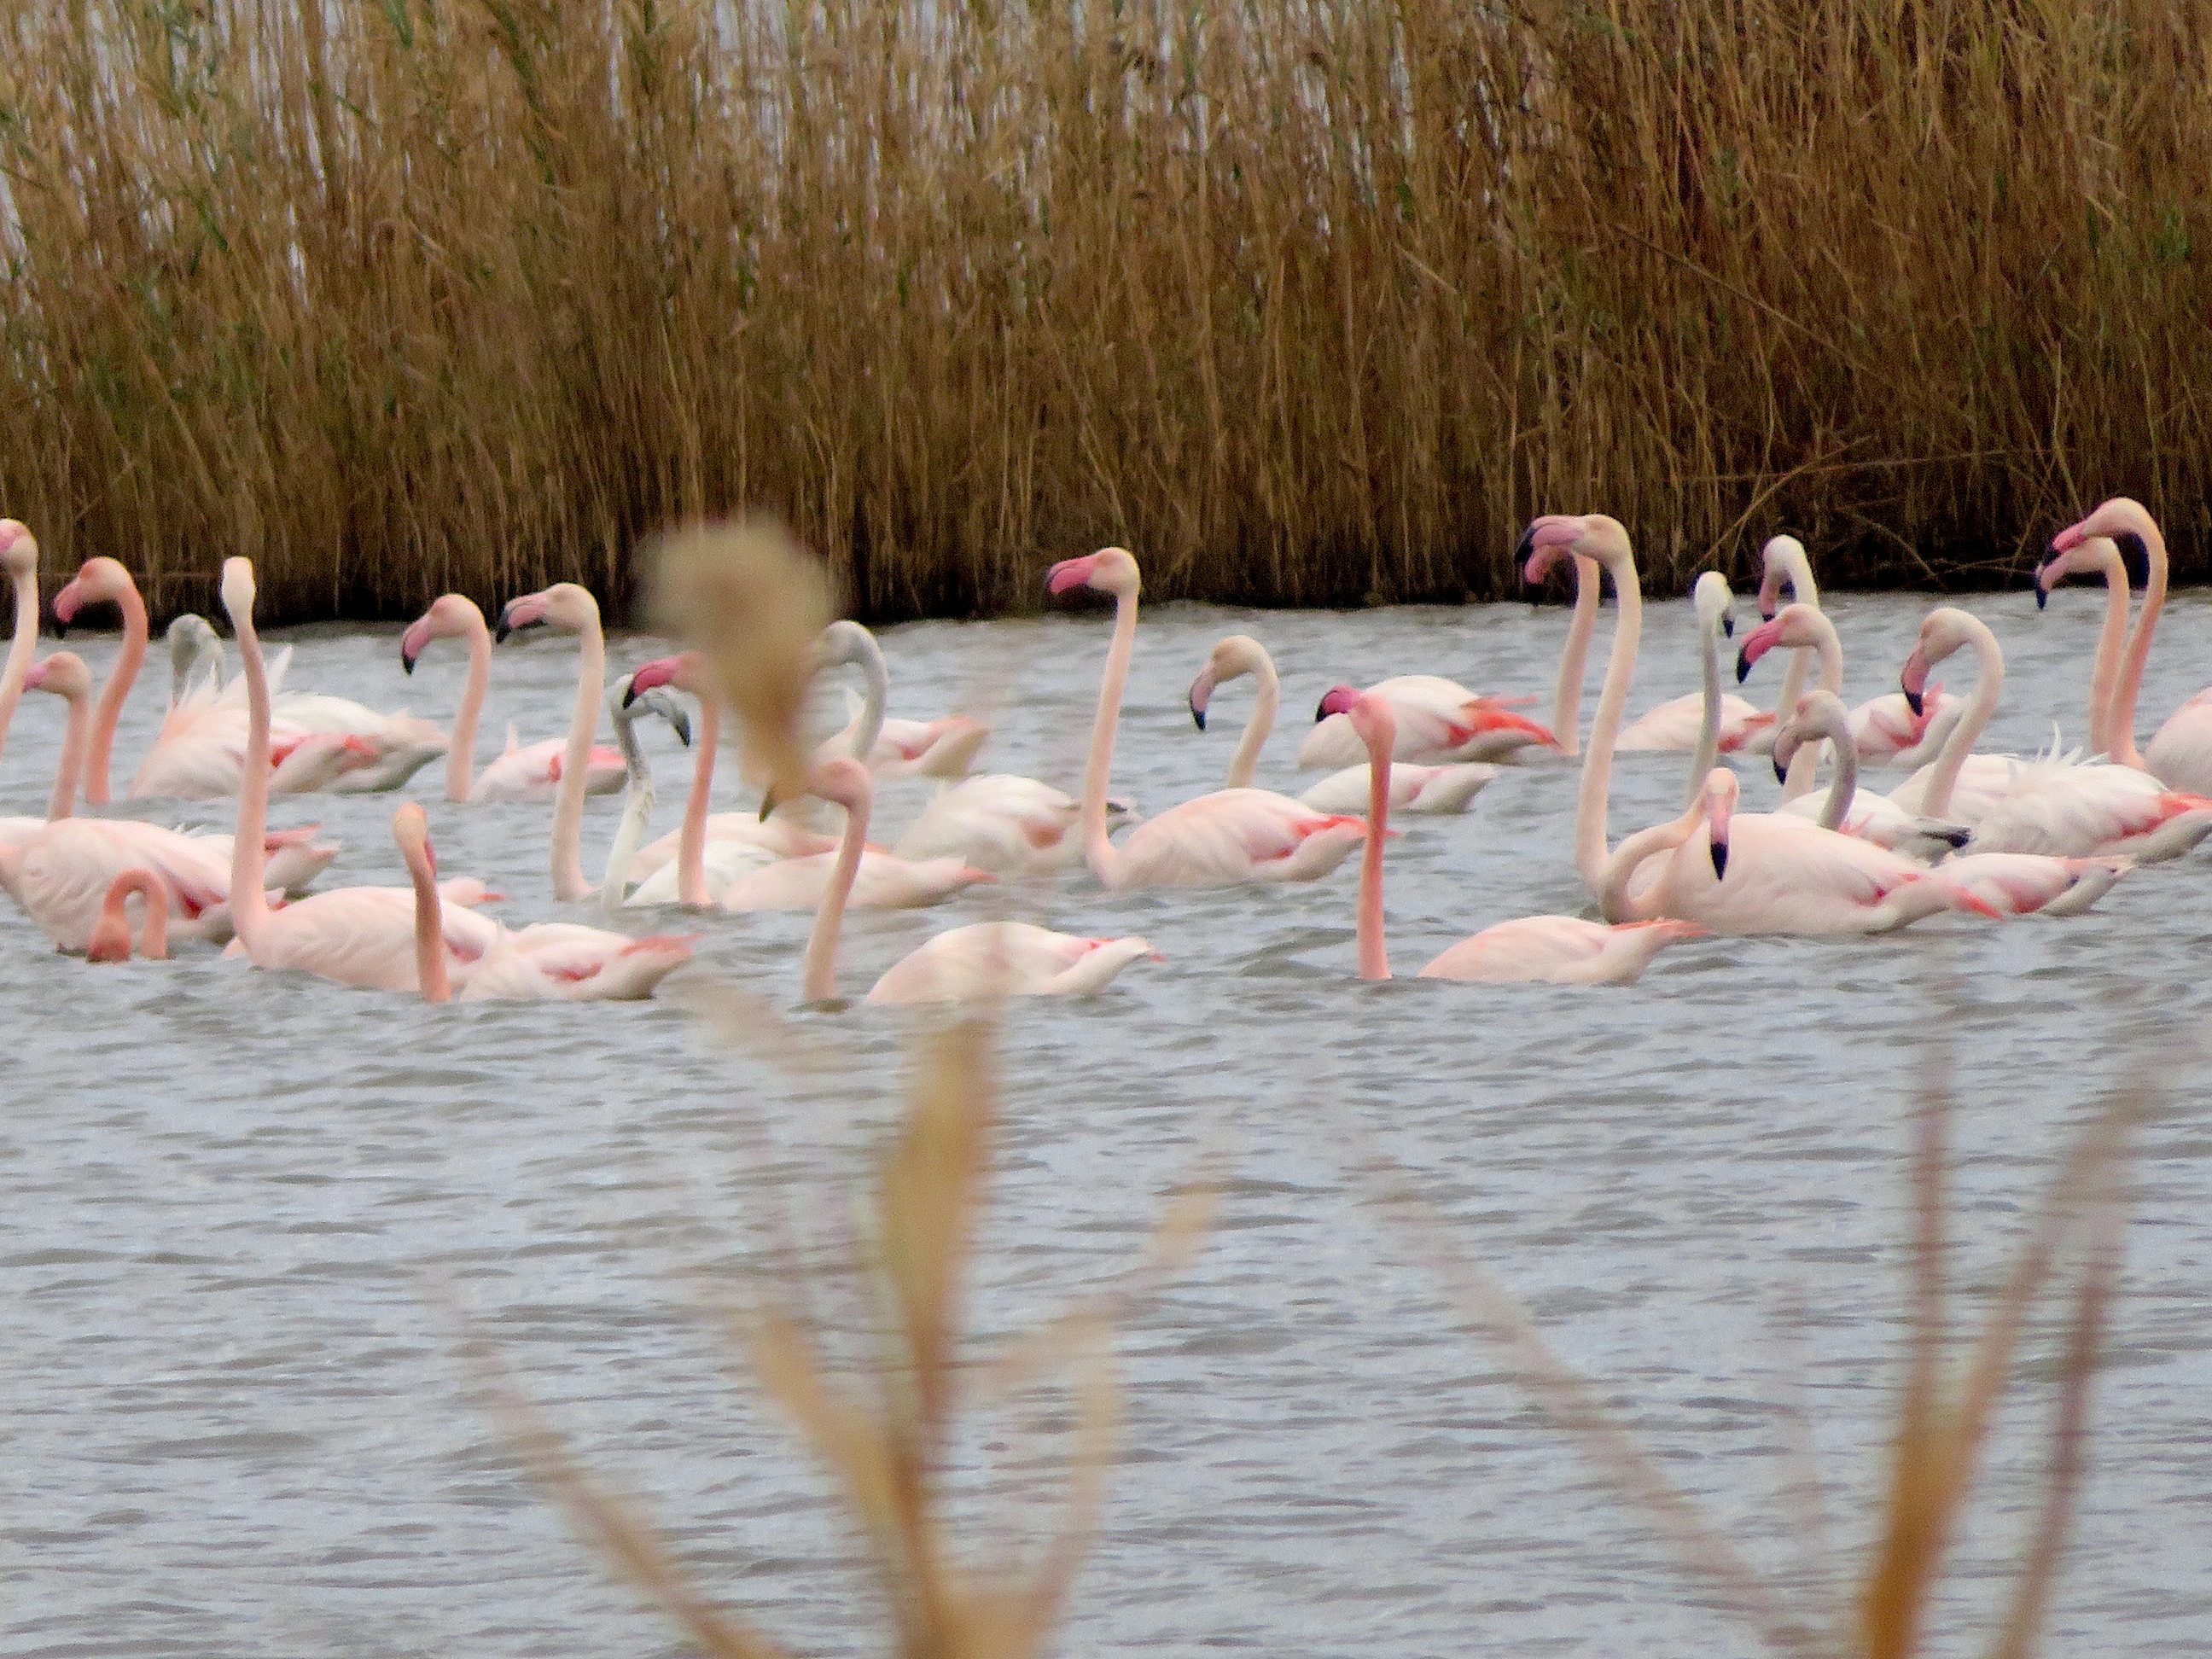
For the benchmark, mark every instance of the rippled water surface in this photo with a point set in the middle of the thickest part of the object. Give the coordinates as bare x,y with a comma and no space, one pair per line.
242,1215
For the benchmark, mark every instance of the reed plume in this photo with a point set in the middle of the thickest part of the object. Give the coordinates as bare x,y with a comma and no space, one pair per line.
1311,301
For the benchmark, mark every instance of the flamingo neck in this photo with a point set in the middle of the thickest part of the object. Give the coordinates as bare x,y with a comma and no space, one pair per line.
1803,590
1567,700
1981,708
1805,764
1844,785
1098,852
1246,761
1605,726
21,649
1707,754
568,847
818,975
114,693
878,679
2120,740
430,970
2105,670
249,906
1374,949
1616,903
461,758
691,844
154,931
70,768
637,813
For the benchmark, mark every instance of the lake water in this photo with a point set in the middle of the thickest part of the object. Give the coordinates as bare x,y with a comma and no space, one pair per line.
238,1211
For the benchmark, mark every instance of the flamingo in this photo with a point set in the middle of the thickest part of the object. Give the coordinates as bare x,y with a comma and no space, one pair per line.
1887,730
524,773
1413,788
2180,754
983,960
1553,949
110,934
941,748
1229,835
571,609
624,707
1680,722
19,557
2016,883
2054,804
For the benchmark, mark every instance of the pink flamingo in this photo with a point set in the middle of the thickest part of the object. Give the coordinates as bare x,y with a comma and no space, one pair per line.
2180,754
110,934
521,772
1552,949
19,557
1679,723
1413,788
2054,804
573,609
2018,884
2095,555
941,748
1229,835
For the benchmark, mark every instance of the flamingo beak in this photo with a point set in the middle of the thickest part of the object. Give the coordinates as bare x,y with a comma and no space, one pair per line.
528,612
2042,587
1781,767
1913,681
1070,574
767,802
1201,694
1728,628
1743,664
1719,850
1525,548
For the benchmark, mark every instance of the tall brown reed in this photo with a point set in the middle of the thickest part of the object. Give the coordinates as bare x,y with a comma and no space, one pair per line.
1307,300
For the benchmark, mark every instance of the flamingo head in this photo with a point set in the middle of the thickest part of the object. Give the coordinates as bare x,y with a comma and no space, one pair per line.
1337,700
98,582
1798,625
64,674
1720,796
411,831
1549,539
19,549
564,605
2118,516
238,589
684,671
1232,657
1375,721
1109,570
1782,559
1714,602
451,616
2088,556
1819,715
1942,631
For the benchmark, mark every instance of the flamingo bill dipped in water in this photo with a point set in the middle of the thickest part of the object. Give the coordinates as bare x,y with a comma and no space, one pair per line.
1551,949
521,772
110,934
1433,789
1229,836
2058,805
2180,754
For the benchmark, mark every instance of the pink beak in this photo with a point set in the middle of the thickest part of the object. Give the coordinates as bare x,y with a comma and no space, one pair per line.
2071,537
1071,573
661,671
1913,680
1337,700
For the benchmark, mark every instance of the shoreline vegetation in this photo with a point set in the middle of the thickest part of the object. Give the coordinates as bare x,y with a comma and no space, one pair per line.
1313,303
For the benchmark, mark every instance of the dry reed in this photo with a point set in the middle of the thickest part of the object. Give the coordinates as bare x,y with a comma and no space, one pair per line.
1309,301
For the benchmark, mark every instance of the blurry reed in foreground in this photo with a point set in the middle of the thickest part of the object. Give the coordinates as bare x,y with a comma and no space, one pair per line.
1944,1413
1311,301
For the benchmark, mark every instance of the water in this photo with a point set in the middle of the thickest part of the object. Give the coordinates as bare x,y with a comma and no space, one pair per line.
243,1216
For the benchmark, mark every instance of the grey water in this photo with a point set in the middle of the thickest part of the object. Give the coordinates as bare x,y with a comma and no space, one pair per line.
247,1220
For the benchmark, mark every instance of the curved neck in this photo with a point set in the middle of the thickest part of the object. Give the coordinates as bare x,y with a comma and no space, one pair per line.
1099,853
249,905
691,845
637,813
2112,637
1374,950
1805,764
461,758
1567,700
567,849
1708,751
1845,783
2120,740
1246,761
818,975
19,649
153,932
430,972
70,768
1980,708
1605,726
114,694
1614,902
879,679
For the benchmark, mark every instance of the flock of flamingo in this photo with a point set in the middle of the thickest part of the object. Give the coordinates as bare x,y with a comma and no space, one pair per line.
1983,834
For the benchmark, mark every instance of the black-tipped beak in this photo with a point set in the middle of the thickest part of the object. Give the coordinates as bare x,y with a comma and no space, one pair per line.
1321,711
406,663
1720,860
1914,701
499,634
1525,546
61,629
1728,628
2042,594
1766,612
1781,767
1742,667
630,697
767,802
1198,717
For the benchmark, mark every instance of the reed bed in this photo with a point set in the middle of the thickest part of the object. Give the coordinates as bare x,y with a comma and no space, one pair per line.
1311,301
